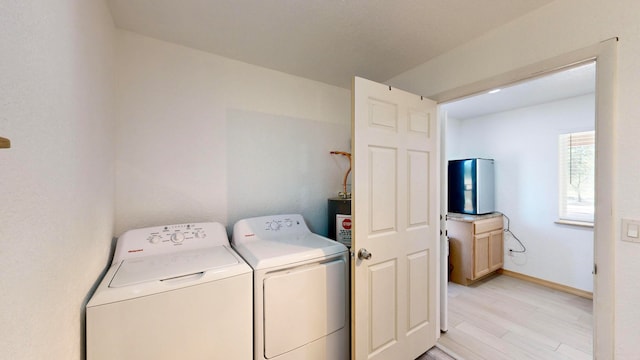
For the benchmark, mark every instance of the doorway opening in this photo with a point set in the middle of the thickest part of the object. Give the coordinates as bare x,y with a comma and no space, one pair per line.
605,55
523,127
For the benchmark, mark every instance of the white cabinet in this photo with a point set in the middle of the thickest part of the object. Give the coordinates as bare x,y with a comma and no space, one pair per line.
475,247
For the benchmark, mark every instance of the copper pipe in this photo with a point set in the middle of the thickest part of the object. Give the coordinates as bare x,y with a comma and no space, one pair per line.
344,181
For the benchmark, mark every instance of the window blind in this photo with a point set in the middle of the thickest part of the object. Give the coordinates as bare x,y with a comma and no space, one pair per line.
577,176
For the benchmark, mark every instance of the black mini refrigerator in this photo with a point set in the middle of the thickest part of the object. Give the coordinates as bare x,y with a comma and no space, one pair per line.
471,186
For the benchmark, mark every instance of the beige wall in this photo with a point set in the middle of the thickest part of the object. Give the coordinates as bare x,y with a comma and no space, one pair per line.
555,29
205,138
56,182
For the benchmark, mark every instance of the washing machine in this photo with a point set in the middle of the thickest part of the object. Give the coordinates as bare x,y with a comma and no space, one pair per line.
301,301
173,292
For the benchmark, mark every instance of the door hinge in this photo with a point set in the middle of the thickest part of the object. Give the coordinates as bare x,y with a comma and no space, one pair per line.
595,269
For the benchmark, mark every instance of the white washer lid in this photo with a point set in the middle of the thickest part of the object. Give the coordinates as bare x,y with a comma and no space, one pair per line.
166,266
263,253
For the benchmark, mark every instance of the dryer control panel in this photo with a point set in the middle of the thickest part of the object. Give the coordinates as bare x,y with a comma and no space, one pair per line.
268,226
164,239
286,223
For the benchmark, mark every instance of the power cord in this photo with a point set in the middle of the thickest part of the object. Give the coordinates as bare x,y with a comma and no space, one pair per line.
508,230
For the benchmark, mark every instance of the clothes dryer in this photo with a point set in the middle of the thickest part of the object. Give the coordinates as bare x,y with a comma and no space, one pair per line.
301,302
173,292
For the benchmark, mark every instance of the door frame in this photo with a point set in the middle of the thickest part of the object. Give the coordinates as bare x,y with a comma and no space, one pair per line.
605,56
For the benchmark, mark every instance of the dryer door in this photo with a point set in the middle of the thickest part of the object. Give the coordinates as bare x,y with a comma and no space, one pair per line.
302,305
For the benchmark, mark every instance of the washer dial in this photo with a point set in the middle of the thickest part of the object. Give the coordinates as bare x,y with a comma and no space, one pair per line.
154,239
177,238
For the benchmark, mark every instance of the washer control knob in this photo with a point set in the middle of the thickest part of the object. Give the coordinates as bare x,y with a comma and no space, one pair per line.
200,234
177,237
154,239
288,223
274,225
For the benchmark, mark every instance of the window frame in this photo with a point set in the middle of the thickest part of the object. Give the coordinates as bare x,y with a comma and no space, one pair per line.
583,141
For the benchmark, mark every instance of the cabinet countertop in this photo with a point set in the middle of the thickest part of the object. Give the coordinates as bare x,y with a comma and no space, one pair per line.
471,218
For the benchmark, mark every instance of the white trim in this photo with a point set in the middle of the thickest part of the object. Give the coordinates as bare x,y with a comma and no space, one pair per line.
443,305
574,223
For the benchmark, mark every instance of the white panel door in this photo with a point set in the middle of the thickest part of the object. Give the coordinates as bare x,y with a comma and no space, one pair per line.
395,214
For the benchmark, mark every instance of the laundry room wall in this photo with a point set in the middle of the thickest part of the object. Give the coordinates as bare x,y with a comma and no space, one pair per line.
553,30
56,180
524,144
452,138
205,138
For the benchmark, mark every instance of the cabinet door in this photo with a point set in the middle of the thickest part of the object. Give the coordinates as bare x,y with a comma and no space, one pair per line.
496,250
481,255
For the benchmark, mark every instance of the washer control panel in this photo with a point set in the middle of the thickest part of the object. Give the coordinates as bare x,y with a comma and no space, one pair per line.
161,239
177,234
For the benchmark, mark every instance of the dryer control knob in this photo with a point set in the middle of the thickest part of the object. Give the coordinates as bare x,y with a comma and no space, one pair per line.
177,237
155,239
274,225
288,223
200,234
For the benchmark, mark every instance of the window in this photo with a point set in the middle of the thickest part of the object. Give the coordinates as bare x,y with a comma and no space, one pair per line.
577,175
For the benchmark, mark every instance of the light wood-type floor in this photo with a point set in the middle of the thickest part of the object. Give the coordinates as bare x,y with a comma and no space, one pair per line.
503,318
435,354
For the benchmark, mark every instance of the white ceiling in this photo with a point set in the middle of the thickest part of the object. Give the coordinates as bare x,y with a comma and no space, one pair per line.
579,80
324,40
